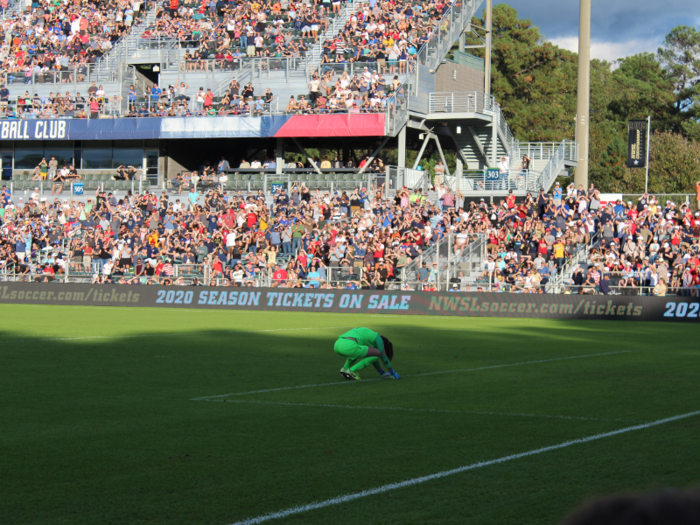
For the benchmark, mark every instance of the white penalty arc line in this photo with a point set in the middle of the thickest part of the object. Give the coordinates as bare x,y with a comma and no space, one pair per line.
204,398
136,336
428,410
415,481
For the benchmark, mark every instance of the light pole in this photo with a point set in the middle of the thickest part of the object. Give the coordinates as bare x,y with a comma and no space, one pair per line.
487,47
584,93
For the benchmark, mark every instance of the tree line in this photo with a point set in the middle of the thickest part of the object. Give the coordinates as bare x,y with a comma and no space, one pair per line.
535,83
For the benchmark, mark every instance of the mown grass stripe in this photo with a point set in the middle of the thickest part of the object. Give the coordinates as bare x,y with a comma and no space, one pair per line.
423,479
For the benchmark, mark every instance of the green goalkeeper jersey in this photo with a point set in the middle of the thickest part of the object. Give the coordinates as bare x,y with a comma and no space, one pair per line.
367,337
364,336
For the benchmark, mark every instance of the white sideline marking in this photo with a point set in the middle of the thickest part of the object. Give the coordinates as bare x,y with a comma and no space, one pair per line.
415,481
404,409
409,375
162,335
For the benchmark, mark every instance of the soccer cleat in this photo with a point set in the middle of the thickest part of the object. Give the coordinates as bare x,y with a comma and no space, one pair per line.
352,375
395,375
385,375
345,373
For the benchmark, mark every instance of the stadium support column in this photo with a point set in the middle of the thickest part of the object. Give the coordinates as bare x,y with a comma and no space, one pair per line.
401,161
308,157
426,138
583,93
494,141
442,155
487,47
279,156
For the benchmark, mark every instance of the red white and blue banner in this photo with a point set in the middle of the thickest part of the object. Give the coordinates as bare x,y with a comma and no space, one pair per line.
341,125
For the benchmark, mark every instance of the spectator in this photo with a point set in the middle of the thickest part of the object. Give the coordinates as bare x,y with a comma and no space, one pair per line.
439,172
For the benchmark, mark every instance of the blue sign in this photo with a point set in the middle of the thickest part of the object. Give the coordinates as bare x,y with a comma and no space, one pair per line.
493,174
276,186
78,188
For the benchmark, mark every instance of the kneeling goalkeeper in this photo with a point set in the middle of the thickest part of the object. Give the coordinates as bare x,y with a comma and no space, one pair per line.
362,347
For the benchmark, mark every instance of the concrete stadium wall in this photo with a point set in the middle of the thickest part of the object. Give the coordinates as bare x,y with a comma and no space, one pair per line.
454,77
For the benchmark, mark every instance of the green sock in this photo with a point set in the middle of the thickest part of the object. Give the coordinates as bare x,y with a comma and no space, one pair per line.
361,364
348,363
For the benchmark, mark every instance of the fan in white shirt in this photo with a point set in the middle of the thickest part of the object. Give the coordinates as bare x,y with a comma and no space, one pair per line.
230,239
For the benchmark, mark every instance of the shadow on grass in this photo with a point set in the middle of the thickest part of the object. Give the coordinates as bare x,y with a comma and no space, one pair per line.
101,428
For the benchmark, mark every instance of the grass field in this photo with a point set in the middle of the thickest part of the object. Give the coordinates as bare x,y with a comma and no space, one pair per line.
108,417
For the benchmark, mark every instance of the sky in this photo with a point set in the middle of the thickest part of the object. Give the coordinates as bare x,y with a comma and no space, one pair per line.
619,28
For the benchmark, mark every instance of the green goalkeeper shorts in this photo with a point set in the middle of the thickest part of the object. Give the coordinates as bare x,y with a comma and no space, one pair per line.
349,349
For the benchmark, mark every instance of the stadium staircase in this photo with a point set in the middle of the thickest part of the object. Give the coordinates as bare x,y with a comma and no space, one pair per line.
13,7
107,71
560,281
285,77
470,261
475,122
126,50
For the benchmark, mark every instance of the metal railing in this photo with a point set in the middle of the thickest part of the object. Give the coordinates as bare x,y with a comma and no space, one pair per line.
475,182
469,260
357,68
110,65
49,189
444,262
314,55
404,177
255,68
435,254
566,151
579,257
546,150
396,113
466,102
446,33
14,7
475,102
141,106
74,74
270,180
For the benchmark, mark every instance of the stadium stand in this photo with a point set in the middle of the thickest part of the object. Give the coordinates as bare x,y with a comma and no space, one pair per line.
45,44
131,200
355,238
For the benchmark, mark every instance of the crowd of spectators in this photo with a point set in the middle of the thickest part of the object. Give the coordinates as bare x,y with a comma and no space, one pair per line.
95,103
211,31
352,239
241,239
387,35
210,176
220,33
367,92
632,247
64,40
53,42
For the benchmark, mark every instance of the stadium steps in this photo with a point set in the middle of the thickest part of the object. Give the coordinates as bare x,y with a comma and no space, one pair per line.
105,72
315,53
16,6
109,65
479,157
